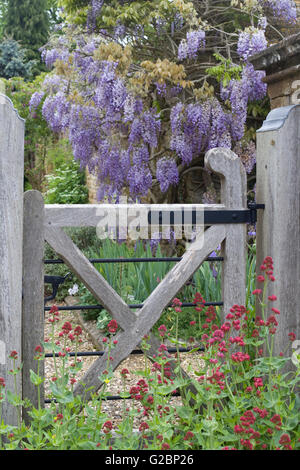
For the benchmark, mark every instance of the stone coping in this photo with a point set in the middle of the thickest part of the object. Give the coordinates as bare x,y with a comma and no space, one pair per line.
279,56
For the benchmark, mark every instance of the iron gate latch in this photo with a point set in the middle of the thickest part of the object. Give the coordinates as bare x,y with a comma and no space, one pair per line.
252,206
56,281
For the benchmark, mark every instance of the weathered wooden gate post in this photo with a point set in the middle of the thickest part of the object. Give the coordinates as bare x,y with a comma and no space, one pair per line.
229,167
278,235
33,293
11,239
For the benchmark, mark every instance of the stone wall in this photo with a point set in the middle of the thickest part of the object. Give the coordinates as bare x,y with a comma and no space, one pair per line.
91,182
281,62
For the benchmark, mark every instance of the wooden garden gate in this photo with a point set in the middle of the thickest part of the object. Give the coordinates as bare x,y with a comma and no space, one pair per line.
45,223
26,223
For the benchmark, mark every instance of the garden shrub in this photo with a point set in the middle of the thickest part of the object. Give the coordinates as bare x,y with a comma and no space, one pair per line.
66,185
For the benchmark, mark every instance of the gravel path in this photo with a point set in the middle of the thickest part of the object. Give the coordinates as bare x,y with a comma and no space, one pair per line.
92,341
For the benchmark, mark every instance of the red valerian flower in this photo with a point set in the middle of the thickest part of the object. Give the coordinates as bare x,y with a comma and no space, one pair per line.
112,326
189,435
53,309
284,439
276,419
107,427
292,336
257,292
77,331
162,330
165,446
67,328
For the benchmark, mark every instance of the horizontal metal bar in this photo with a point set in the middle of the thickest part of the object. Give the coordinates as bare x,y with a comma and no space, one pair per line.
111,397
98,307
134,260
134,352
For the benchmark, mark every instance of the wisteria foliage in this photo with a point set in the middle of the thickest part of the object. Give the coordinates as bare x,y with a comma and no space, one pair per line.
113,116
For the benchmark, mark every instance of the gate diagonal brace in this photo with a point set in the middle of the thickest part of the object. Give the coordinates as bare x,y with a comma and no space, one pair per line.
134,326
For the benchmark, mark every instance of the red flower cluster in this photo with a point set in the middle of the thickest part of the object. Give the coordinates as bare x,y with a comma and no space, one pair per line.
162,330
285,441
139,391
240,357
267,267
112,326
2,385
13,355
55,314
176,304
198,299
107,427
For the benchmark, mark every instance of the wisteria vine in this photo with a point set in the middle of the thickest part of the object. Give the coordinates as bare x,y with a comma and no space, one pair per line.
123,136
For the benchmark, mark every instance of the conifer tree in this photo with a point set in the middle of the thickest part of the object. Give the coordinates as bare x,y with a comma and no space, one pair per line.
27,22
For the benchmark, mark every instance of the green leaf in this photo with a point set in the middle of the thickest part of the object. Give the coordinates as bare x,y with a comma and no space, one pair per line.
35,379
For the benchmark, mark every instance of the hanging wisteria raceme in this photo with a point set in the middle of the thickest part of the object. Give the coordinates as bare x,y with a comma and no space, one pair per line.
285,10
167,173
251,41
199,127
35,100
56,111
93,13
189,47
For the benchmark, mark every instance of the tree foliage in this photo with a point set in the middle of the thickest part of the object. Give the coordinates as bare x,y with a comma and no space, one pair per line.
12,60
145,88
27,22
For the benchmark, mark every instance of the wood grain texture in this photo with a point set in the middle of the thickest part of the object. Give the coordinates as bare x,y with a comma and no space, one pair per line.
91,278
33,291
11,222
229,167
84,215
278,187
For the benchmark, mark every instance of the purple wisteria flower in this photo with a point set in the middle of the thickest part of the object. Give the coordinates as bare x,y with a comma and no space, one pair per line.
189,47
250,42
284,9
93,13
35,100
50,56
166,173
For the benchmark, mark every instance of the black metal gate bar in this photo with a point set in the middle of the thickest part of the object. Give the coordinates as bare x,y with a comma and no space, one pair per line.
134,260
213,217
98,307
134,352
111,397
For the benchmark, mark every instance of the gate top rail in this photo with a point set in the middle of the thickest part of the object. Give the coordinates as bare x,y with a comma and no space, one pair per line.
61,215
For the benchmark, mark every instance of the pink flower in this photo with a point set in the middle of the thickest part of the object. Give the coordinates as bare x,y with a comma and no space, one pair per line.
258,382
275,310
257,292
162,330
